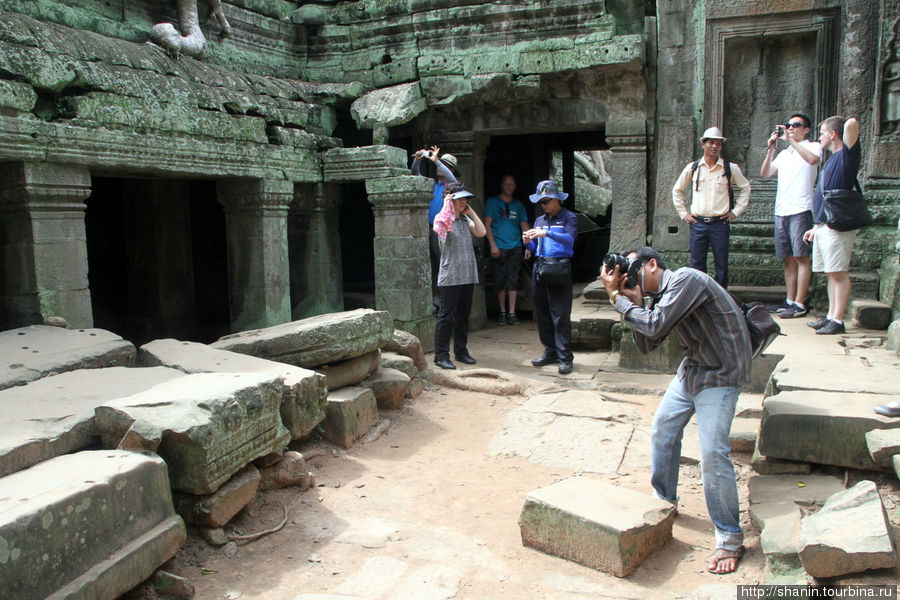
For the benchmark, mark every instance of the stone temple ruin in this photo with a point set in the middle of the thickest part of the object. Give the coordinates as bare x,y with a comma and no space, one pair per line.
176,173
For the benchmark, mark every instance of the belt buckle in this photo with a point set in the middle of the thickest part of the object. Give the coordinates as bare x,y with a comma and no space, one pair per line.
707,219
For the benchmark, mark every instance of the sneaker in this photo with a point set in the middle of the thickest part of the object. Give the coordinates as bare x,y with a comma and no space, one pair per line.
513,319
781,307
831,328
818,324
793,312
502,320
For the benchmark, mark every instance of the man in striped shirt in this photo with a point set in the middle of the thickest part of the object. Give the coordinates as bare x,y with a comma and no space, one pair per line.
713,334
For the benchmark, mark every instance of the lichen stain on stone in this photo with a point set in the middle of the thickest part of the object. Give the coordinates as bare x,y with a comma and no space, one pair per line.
47,520
4,550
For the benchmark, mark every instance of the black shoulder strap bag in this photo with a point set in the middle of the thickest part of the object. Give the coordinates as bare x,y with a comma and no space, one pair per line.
846,210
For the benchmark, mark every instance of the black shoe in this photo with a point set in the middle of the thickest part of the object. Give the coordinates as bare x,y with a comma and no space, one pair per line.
513,319
831,328
818,324
444,363
547,358
466,358
793,312
565,368
502,320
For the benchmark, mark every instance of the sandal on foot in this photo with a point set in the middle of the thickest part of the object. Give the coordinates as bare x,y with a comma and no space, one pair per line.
720,555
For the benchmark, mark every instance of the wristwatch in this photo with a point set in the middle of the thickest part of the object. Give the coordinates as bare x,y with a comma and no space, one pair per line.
613,296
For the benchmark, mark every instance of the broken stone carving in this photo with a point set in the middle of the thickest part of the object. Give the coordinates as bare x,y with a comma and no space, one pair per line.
193,42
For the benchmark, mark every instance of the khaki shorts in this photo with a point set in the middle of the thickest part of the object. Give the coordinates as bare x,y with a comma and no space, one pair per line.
832,249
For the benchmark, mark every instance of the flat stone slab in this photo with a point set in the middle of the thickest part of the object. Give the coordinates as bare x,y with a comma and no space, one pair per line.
350,371
829,373
765,465
206,426
216,509
575,429
304,397
822,427
389,387
352,411
55,415
595,524
36,351
883,444
849,534
317,340
773,496
88,525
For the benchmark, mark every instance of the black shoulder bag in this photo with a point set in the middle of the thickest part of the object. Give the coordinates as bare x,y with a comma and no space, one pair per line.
846,210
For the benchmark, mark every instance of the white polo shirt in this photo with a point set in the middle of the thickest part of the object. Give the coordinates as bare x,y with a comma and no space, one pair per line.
796,180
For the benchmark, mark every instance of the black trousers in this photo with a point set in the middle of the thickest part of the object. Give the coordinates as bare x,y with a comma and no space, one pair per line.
453,319
552,311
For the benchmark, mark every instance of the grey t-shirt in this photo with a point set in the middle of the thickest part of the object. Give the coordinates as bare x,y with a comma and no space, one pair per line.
458,264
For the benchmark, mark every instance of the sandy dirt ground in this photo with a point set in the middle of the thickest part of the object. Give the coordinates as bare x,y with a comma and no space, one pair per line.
428,510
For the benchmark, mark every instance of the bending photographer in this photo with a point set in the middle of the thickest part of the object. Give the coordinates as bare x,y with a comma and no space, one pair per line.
716,343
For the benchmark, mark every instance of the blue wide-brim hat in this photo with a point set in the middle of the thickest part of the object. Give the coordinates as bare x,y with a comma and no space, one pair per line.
547,189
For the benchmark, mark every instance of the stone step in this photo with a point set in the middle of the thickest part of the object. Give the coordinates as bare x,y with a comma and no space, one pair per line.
870,314
595,524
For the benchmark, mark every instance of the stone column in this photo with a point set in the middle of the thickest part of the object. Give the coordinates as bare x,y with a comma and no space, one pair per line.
43,245
258,266
402,266
315,250
628,142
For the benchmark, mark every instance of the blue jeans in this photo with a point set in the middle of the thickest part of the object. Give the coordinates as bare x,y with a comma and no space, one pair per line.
715,411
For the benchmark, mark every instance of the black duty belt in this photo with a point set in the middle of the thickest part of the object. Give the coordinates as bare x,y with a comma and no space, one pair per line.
719,219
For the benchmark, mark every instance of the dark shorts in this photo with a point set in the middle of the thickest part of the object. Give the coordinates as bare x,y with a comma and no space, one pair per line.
789,232
506,268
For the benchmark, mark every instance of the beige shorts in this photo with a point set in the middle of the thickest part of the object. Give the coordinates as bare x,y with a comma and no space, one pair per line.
832,249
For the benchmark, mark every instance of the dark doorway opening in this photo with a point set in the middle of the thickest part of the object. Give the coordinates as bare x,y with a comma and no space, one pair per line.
357,234
157,259
531,158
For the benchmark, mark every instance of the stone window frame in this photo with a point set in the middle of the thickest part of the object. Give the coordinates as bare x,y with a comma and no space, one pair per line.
823,23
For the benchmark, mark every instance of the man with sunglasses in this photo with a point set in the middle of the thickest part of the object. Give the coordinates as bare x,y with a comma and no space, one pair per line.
716,343
713,207
796,169
553,237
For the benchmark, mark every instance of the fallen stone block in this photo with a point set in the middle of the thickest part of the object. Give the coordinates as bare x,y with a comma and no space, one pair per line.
416,385
773,496
407,344
404,364
822,427
350,371
290,470
36,351
780,542
389,387
765,465
595,524
317,340
206,426
55,415
749,406
872,374
302,403
883,444
88,525
743,434
850,534
352,411
870,314
216,509
592,327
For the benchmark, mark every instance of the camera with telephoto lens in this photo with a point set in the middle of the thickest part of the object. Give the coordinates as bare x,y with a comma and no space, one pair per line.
627,266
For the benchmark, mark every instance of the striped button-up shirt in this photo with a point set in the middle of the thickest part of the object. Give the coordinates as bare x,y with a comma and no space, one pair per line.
709,324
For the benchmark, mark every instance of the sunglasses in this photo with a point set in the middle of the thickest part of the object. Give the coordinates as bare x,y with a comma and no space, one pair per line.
546,200
795,125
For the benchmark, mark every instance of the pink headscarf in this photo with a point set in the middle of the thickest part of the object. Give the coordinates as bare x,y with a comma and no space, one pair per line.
443,221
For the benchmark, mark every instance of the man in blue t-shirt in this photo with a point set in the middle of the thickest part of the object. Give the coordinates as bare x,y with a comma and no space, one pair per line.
832,249
506,221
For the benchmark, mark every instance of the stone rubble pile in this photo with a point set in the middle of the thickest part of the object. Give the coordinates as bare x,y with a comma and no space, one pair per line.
191,434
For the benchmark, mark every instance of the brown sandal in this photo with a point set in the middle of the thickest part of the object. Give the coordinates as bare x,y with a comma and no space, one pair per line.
721,554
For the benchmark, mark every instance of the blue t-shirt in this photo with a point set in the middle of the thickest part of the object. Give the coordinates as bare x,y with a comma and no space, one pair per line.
507,220
838,173
437,201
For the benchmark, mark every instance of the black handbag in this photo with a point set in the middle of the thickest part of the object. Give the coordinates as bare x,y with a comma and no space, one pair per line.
845,210
554,271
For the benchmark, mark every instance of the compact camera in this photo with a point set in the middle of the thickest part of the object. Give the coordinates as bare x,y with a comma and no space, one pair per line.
627,266
779,130
426,154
